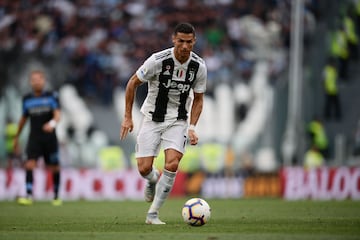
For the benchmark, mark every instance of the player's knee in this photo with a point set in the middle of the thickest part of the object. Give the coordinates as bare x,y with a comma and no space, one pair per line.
30,164
53,159
144,167
172,166
144,170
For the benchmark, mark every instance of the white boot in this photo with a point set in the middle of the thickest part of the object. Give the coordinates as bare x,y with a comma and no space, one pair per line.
153,218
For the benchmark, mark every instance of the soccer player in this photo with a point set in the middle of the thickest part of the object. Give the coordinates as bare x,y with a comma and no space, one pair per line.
175,77
43,110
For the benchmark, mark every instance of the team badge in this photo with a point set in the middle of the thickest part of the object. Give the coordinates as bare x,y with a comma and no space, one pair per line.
191,75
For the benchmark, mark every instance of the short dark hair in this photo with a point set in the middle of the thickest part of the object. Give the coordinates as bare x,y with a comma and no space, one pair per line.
184,28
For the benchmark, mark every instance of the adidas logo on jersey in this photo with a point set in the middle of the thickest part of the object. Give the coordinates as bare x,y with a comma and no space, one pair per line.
171,84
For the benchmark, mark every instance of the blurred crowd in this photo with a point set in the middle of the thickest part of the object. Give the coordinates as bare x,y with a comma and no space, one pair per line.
98,44
338,75
102,42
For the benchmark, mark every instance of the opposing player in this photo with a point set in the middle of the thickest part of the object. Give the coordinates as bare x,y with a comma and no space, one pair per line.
43,110
174,76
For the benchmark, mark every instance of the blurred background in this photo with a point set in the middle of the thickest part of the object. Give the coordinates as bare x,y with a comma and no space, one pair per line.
283,82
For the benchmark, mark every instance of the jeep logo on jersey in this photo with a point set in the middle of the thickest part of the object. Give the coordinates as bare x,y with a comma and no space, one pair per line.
171,84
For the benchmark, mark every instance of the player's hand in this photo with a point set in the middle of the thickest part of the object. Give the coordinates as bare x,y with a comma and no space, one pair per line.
193,137
48,128
126,127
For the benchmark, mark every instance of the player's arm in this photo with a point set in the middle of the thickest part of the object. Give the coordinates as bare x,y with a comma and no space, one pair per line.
21,124
127,124
194,116
50,125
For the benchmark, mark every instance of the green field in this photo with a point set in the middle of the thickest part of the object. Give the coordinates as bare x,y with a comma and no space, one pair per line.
231,219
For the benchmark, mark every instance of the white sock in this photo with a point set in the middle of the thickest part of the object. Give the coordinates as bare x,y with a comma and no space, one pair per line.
163,189
152,176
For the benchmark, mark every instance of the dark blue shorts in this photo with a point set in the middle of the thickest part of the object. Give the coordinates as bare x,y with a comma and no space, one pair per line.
44,146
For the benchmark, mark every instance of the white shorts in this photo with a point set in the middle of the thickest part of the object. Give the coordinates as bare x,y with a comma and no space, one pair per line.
154,135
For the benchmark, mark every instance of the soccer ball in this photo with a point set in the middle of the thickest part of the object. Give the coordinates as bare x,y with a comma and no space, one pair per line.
196,212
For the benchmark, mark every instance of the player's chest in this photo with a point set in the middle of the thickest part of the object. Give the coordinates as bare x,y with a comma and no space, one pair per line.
38,106
177,73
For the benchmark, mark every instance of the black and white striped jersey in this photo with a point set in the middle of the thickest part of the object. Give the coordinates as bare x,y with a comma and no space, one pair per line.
170,84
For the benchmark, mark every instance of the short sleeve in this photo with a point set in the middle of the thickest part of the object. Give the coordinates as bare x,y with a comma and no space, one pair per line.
199,85
55,102
146,72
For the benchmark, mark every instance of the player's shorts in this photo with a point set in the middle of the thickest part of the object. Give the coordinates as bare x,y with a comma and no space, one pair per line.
46,147
154,135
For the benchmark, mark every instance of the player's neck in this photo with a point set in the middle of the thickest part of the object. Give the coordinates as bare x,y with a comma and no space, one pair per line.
182,60
37,93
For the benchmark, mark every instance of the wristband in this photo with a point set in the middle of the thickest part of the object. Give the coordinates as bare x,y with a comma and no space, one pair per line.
52,123
192,127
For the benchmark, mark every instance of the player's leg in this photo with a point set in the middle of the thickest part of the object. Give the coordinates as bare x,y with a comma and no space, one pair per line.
148,144
55,170
30,165
174,144
166,181
52,161
147,171
164,186
33,152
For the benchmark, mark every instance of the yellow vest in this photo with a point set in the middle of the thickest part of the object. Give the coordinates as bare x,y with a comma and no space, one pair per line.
350,30
313,159
10,133
212,156
320,138
190,162
330,78
339,47
111,158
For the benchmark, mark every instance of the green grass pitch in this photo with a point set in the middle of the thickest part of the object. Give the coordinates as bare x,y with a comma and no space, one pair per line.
230,219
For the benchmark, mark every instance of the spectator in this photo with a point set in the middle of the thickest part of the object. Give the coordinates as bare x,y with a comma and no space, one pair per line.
332,102
340,50
318,137
351,34
10,134
313,158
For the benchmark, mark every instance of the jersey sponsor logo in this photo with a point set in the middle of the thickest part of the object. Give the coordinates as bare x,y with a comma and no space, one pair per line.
172,84
39,110
167,71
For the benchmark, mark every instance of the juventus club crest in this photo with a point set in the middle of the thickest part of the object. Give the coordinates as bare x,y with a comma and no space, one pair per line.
191,75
